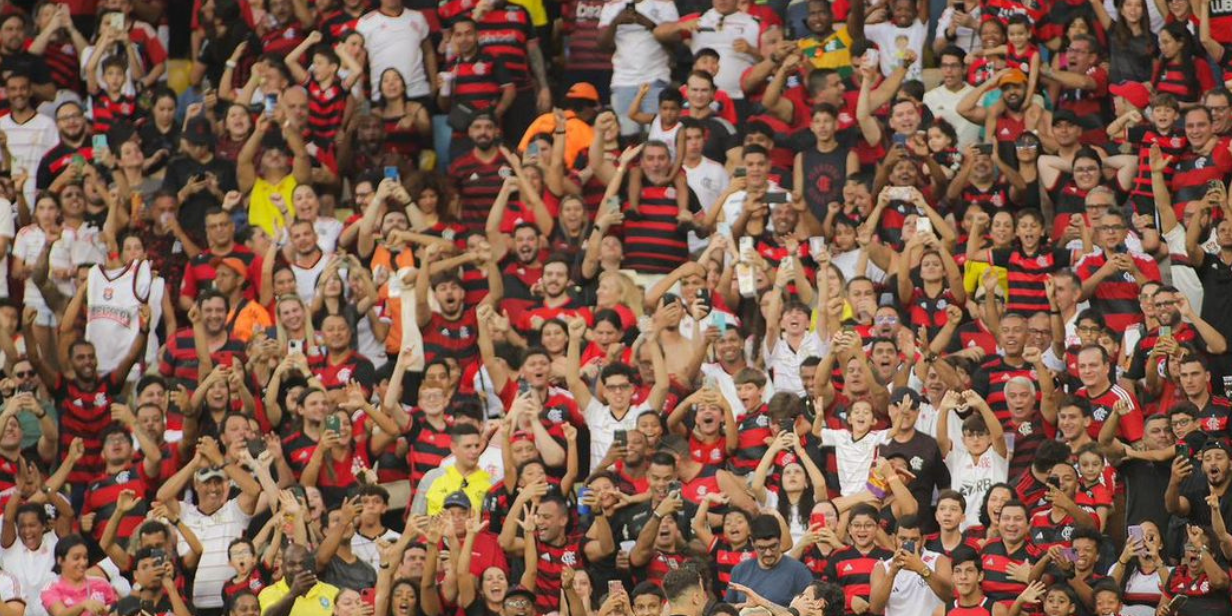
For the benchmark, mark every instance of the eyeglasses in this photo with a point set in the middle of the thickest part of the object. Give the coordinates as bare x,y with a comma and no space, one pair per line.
1110,228
1086,169
24,374
518,602
71,116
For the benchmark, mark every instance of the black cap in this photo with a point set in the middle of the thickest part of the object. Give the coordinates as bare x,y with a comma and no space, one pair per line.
199,132
1065,115
519,591
458,499
1217,443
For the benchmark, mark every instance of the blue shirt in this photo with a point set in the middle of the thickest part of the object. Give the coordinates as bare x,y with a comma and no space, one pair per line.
779,584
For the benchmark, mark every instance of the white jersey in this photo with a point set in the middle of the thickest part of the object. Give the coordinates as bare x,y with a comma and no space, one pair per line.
910,594
973,478
112,302
855,458
306,278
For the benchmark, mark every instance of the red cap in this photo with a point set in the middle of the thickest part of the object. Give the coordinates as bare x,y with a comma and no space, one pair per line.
1133,92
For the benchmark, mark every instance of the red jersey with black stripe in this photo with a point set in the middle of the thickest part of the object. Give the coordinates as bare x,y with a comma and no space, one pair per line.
552,560
1116,297
1026,275
84,410
989,382
725,558
853,570
326,107
996,560
654,241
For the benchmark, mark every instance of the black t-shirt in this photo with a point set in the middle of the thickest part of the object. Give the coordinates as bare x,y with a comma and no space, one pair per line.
924,459
1145,482
192,213
1195,490
28,64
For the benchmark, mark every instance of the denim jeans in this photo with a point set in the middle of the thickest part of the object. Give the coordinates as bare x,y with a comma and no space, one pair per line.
622,98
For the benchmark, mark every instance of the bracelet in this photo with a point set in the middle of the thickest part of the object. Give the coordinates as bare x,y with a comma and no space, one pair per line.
656,515
231,64
175,522
385,565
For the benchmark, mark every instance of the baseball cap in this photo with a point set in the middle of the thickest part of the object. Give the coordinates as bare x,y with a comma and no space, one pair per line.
519,591
233,263
1217,443
583,91
1014,77
1065,115
199,132
458,499
1133,92
208,473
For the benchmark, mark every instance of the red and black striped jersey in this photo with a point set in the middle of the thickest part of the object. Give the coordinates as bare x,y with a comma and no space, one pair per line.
326,107
1192,171
350,367
1130,427
552,560
582,33
1047,532
996,560
428,446
179,359
751,447
925,311
1028,436
1186,83
103,493
989,381
443,337
505,33
983,608
654,240
477,182
84,410
1026,275
933,543
106,110
64,65
725,558
298,448
1144,136
477,81
853,571
1116,297
335,24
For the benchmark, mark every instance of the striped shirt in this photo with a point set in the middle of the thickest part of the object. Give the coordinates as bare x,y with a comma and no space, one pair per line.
326,106
1026,275
215,532
478,183
179,360
1116,297
83,414
654,240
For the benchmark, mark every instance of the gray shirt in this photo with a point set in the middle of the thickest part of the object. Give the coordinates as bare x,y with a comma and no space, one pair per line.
779,584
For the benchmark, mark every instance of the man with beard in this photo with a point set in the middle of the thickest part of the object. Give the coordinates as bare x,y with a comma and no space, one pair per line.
454,331
83,401
220,233
556,302
1146,468
185,361
523,273
1208,159
729,359
308,261
72,150
557,547
479,174
1178,324
1113,275
774,576
1014,114
15,59
827,47
341,364
1190,498
479,81
29,134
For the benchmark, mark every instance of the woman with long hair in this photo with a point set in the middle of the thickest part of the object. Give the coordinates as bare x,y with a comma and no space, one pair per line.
338,457
1131,44
408,128
160,133
800,485
234,129
734,545
1140,570
294,329
434,209
1181,70
77,586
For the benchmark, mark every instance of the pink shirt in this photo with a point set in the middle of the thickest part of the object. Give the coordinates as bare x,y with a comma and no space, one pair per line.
70,595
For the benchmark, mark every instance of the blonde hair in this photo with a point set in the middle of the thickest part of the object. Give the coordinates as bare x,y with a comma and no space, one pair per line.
630,293
310,334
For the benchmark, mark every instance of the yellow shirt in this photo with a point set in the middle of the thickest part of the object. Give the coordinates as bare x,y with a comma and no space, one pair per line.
262,212
318,602
834,52
477,485
538,14
973,275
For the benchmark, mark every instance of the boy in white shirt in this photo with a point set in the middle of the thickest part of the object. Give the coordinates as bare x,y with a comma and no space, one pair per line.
981,460
854,448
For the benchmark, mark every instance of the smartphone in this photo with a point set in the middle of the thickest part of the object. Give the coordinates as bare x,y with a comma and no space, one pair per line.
899,139
615,587
159,556
1121,249
984,148
675,487
787,424
620,438
100,144
1135,532
1165,331
368,595
295,346
116,20
704,296
206,84
817,245
1176,603
271,103
720,321
533,149
923,225
256,447
523,387
333,423
613,204
776,198
740,172
391,173
899,193
871,57
909,546
1069,554
670,298
1055,482
817,519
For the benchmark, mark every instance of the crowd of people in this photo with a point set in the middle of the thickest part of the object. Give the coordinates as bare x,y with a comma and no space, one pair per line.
615,308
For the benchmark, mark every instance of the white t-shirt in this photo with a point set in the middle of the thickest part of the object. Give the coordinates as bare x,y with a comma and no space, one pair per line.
707,180
639,58
215,532
910,594
306,278
28,143
32,570
603,426
734,205
973,478
727,387
395,42
944,104
328,230
367,550
785,361
892,41
855,458
720,32
658,133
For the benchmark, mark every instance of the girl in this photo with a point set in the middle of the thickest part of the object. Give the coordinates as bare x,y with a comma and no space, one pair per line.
1093,472
435,207
1180,69
234,130
338,458
942,143
1140,570
800,483
1131,45
730,548
408,129
77,585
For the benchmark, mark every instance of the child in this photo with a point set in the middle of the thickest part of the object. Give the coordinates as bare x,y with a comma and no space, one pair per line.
1131,129
1094,476
754,426
327,95
855,447
1020,52
942,142
665,125
250,574
712,436
108,102
981,459
707,61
